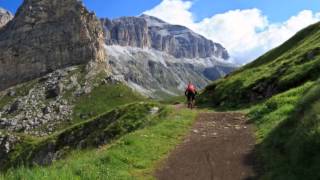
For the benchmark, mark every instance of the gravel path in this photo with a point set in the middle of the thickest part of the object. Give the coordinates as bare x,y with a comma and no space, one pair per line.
219,147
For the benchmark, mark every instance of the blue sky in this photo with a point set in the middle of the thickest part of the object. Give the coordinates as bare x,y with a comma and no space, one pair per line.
103,8
276,10
247,28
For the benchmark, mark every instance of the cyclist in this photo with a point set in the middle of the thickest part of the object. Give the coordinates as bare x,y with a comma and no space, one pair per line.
191,93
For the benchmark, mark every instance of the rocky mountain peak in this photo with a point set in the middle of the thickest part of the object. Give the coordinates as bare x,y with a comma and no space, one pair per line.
153,21
46,35
150,32
5,17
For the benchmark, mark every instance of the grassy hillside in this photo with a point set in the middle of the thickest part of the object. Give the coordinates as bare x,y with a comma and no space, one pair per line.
283,68
91,133
103,99
288,131
106,111
131,157
282,93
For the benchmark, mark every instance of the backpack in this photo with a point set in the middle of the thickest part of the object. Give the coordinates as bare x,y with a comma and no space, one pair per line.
191,88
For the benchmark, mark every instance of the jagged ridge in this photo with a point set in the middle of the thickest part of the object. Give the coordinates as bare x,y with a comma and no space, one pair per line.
150,32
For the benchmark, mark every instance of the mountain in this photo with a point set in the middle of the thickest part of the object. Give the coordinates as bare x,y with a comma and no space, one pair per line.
158,59
38,40
157,74
52,60
5,17
150,32
280,90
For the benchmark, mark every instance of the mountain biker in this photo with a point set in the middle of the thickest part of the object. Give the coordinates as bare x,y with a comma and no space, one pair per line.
190,93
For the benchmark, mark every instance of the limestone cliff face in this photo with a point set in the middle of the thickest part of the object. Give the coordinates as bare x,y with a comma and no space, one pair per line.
150,32
127,31
5,17
46,35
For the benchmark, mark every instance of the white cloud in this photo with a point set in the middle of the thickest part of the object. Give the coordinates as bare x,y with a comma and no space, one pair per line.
245,33
174,12
236,30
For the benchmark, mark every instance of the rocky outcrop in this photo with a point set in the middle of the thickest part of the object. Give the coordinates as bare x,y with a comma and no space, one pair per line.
150,32
46,35
127,32
5,17
40,106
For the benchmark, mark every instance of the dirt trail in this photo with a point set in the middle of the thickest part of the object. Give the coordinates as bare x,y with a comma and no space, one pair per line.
219,147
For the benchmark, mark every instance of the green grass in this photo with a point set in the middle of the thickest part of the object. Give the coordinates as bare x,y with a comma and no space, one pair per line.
134,156
174,100
103,99
288,66
288,132
87,134
4,100
268,115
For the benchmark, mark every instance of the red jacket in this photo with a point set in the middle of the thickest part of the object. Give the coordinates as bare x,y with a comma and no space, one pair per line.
191,88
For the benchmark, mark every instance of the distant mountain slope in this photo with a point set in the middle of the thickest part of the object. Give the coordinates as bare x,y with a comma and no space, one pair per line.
285,67
158,58
5,17
158,74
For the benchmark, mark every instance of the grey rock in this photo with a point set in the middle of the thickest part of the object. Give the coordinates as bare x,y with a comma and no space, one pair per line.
154,110
114,79
50,35
33,112
47,110
15,106
3,123
87,90
7,143
11,93
52,92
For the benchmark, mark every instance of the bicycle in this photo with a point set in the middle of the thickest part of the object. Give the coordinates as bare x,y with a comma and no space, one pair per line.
191,102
